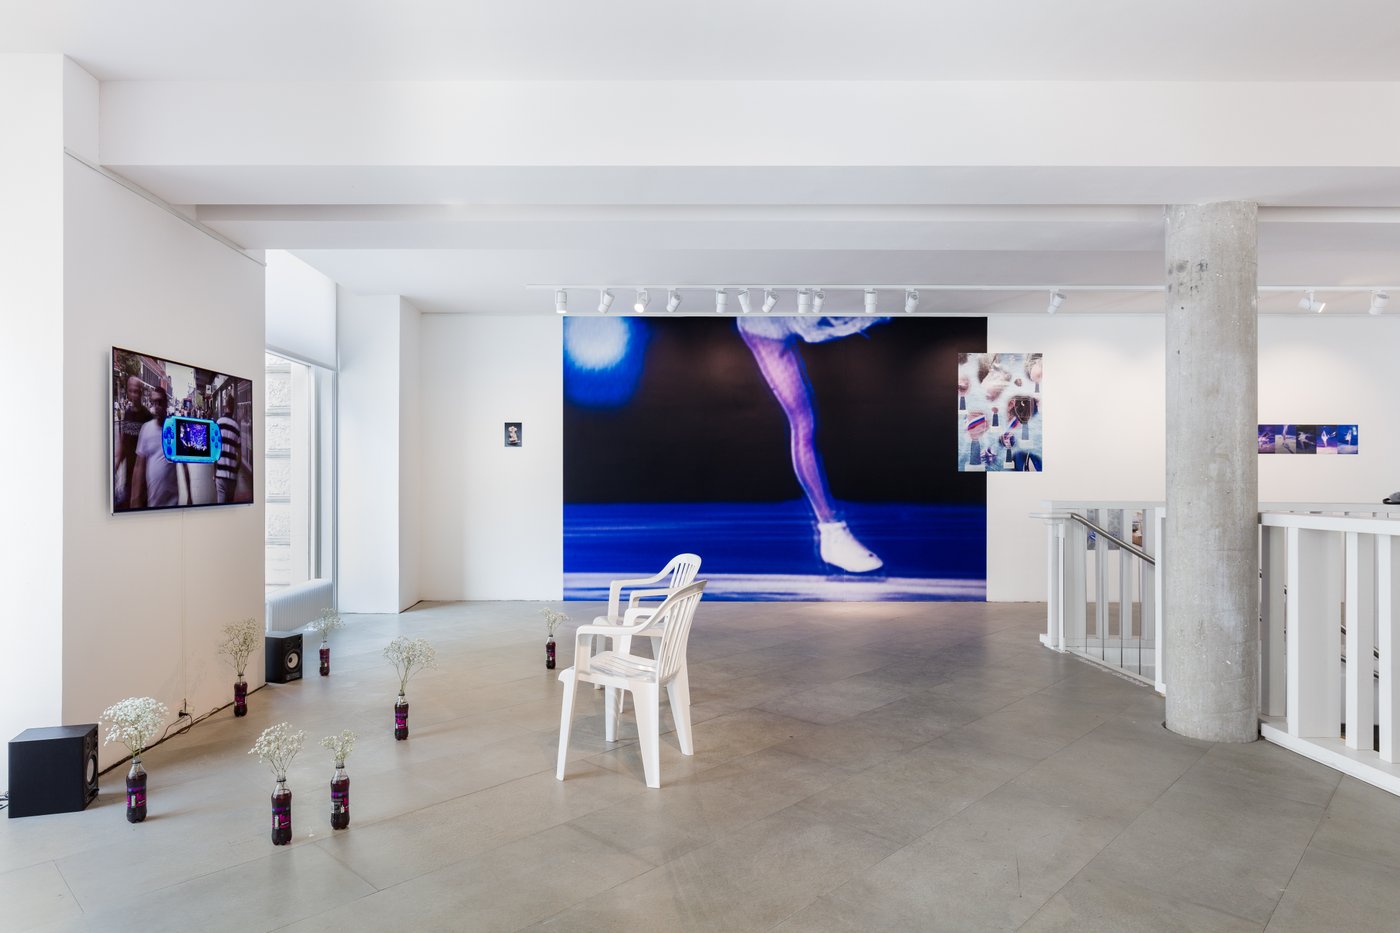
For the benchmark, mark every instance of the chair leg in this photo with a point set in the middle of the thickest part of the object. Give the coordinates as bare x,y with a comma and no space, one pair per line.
566,719
647,699
678,691
612,698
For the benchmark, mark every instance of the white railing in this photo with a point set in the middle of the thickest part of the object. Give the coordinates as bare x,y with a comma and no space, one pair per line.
1332,567
1116,619
1330,682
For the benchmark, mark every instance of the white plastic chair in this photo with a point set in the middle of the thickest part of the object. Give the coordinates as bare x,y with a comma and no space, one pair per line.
618,671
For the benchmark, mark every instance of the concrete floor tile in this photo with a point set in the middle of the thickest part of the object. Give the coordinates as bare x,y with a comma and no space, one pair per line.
1361,822
264,894
1099,905
35,896
1335,892
504,889
1266,769
1230,850
750,880
834,702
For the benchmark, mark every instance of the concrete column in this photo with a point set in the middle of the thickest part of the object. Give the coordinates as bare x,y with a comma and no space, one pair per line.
1211,583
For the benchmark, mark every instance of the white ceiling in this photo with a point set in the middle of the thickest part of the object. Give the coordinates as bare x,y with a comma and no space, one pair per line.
921,40
470,237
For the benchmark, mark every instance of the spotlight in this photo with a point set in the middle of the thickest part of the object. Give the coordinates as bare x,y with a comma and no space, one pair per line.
1056,300
911,300
721,299
673,300
1309,302
770,300
804,300
605,300
642,300
561,301
818,299
872,297
744,300
1378,302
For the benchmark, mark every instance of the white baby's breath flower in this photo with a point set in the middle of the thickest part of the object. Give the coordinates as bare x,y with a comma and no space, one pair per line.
240,640
329,621
276,748
134,722
340,745
552,619
409,656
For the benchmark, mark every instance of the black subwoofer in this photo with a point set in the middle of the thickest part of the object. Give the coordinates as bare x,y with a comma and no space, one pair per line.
283,657
53,770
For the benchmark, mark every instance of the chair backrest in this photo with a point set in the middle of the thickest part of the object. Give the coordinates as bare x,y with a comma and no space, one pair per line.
683,568
677,612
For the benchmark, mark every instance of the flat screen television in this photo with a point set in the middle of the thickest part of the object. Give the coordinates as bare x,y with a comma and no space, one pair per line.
182,436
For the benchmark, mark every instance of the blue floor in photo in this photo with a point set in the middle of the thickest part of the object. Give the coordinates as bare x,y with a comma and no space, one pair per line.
768,551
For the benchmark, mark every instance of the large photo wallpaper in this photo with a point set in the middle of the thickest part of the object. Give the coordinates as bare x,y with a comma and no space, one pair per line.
803,458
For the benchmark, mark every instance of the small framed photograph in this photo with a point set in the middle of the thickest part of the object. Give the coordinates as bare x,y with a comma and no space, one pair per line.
514,435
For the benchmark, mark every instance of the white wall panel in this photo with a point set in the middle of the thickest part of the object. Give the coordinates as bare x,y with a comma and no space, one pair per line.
145,595
492,515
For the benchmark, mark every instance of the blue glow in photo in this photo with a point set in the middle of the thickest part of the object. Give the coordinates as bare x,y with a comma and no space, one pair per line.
602,360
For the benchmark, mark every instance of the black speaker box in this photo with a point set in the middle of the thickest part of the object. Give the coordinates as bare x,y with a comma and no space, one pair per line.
53,770
283,657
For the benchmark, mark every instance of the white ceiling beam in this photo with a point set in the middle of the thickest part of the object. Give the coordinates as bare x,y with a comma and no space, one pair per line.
737,123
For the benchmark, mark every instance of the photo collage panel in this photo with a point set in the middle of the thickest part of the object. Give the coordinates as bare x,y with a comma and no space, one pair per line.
1000,428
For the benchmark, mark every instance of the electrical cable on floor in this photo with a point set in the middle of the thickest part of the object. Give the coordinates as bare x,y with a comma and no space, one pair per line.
4,800
185,723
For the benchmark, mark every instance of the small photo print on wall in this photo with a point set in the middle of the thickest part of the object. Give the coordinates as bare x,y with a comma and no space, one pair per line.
1000,428
514,434
1310,439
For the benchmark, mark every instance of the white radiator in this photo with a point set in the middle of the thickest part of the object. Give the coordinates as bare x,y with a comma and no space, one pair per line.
292,607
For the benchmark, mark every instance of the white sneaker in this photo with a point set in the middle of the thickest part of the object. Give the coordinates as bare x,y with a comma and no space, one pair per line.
841,549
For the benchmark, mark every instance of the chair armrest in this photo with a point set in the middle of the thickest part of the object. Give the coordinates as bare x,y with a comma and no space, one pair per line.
636,595
616,587
610,631
639,621
643,581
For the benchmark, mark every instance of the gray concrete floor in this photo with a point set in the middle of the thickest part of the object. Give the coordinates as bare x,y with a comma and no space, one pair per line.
891,766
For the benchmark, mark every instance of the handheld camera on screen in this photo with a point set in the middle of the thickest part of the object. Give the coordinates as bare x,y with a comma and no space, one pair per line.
191,440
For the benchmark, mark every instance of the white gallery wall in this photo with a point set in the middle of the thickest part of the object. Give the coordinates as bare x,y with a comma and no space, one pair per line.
411,418
300,310
1105,410
377,427
1104,404
31,331
145,595
98,607
492,515
1319,370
